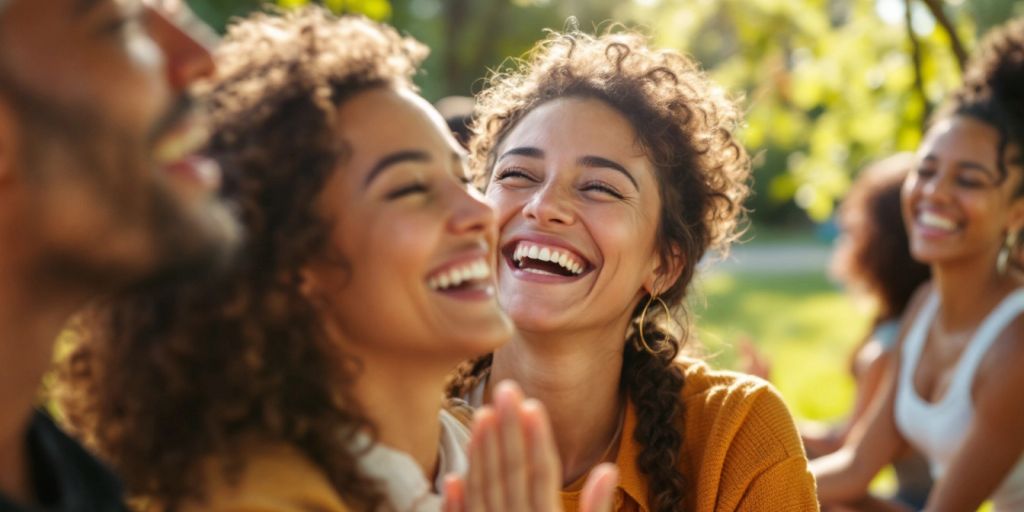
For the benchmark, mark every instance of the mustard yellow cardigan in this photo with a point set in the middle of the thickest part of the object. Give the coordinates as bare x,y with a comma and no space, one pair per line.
276,477
741,452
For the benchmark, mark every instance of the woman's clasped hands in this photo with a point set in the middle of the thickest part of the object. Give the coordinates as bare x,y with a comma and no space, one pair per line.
514,465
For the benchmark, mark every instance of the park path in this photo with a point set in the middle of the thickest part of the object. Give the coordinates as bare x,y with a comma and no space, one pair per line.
781,258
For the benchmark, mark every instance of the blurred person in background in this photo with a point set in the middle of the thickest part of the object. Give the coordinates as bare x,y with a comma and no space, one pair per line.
953,393
872,259
99,192
311,375
614,167
457,111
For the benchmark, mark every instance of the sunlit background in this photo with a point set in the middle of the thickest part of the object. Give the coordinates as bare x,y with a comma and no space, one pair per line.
828,86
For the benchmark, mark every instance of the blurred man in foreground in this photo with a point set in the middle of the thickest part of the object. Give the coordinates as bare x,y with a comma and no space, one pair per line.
99,192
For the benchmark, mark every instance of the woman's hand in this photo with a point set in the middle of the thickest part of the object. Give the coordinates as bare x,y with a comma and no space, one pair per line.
752,360
514,466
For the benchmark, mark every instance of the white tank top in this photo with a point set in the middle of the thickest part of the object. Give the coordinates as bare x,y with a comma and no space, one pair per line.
938,429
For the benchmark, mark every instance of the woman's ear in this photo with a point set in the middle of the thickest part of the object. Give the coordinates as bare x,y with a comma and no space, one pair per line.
665,271
322,278
309,285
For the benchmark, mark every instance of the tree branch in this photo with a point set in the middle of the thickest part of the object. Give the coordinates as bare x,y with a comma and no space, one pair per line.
916,57
935,6
455,14
492,21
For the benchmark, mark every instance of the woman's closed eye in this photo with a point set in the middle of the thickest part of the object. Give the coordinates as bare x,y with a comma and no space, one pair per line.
602,187
121,26
417,187
967,181
514,173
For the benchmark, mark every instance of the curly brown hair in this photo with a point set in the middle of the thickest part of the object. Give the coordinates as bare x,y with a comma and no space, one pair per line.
993,93
993,90
159,379
687,128
879,258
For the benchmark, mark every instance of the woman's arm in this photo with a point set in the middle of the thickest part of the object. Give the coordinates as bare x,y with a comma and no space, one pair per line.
876,361
874,441
846,474
995,439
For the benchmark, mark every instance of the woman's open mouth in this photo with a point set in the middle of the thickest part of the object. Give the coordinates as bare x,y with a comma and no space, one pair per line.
176,155
467,279
545,262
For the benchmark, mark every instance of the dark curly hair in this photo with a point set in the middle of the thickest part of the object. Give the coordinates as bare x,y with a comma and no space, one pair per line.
993,93
687,128
159,379
879,259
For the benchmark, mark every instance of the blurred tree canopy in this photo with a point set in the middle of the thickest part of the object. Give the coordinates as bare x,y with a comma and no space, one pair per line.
828,85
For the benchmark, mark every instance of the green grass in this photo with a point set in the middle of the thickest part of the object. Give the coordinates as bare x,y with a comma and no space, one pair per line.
802,322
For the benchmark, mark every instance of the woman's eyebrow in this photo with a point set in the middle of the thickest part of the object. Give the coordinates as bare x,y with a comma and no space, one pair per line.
597,161
527,151
963,164
392,159
971,164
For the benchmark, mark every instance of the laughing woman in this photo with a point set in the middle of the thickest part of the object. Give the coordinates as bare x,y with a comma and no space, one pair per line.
956,394
312,375
614,168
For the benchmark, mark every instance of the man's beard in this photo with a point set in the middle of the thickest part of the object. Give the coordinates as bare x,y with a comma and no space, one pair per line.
110,172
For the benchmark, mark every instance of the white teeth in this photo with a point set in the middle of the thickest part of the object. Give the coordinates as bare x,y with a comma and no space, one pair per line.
932,220
476,270
180,145
534,252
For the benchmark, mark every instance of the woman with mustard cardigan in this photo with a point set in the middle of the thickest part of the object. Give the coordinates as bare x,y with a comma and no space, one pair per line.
614,167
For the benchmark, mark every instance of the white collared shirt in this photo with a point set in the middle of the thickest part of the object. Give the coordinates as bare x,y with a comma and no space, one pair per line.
401,478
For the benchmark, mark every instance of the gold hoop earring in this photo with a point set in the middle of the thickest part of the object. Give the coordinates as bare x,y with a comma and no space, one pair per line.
643,314
1005,252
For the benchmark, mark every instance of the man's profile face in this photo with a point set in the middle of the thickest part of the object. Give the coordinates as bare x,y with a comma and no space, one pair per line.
101,139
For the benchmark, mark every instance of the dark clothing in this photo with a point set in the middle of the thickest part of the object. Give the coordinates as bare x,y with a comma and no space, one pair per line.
65,477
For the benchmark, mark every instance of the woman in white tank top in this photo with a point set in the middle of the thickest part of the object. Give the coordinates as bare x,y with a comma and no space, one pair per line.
956,393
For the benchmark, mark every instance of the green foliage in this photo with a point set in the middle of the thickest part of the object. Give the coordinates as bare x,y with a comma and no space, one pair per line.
468,38
218,13
828,85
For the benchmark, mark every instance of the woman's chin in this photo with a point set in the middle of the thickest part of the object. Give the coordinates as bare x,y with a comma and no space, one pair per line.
479,336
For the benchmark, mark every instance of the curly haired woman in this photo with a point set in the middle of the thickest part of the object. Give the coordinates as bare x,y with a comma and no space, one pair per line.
955,392
311,376
614,168
872,258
